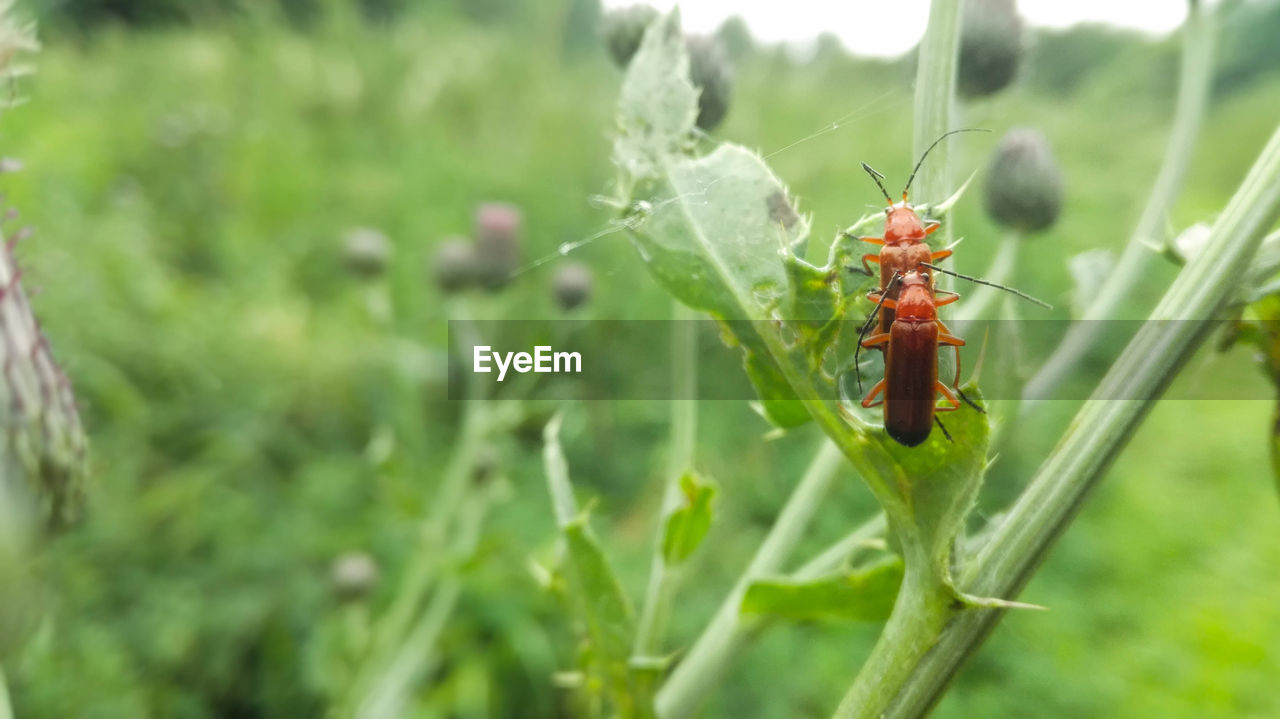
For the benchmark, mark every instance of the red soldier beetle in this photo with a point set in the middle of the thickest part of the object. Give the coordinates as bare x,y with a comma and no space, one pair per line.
910,385
903,246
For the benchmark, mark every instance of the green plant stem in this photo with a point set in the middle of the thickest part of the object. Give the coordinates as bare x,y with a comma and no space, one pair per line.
710,655
935,101
1177,326
415,657
924,605
391,628
834,556
663,578
6,708
1193,98
563,504
453,486
417,651
920,612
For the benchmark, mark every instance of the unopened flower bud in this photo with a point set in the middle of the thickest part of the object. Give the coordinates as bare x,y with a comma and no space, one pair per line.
735,37
497,243
453,266
709,71
1024,185
990,47
623,29
572,285
353,575
366,251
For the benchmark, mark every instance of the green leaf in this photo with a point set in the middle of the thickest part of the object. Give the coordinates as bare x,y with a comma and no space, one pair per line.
1260,327
936,483
594,588
864,595
658,104
815,307
715,247
609,617
687,526
719,231
778,402
712,239
945,478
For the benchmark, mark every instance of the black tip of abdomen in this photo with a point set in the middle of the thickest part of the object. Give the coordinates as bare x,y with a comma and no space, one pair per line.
909,438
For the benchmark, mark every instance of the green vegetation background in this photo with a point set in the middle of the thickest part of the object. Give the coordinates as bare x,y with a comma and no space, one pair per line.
190,185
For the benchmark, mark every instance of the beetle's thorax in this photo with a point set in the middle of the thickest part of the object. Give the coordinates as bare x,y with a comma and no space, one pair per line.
902,225
915,300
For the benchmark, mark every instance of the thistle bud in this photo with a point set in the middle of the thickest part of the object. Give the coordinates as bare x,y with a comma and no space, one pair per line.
623,29
353,575
454,265
497,243
709,71
572,285
1024,185
735,37
990,47
366,251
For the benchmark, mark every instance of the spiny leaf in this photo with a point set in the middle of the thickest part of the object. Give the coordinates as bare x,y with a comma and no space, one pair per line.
688,525
609,616
865,595
593,586
716,246
659,104
719,231
815,307
712,240
941,479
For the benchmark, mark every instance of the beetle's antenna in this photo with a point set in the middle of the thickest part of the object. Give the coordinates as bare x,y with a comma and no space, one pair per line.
866,326
877,177
1019,293
945,135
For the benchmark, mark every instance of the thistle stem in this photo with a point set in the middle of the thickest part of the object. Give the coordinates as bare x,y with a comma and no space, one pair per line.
391,628
710,655
663,578
830,559
1193,99
6,708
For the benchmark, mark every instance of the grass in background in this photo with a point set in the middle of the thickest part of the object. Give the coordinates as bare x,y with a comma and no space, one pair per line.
191,189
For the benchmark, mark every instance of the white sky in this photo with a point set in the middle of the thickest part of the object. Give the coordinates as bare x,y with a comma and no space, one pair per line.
891,27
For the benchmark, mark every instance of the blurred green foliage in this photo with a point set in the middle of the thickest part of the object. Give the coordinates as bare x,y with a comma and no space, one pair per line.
251,419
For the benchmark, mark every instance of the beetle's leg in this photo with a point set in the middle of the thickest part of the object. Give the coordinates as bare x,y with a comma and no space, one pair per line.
874,340
943,427
879,299
877,389
948,395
